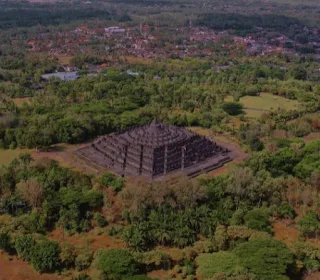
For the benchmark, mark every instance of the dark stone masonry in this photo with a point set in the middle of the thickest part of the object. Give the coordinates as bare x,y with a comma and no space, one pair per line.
155,150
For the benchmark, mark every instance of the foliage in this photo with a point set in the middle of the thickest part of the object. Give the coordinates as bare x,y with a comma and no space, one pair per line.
247,23
211,264
285,210
308,250
84,257
138,277
116,263
258,219
81,276
67,255
309,224
111,180
153,260
24,245
265,257
100,219
5,242
232,108
60,14
44,256
32,191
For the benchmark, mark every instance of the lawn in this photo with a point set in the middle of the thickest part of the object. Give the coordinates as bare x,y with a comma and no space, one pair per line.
6,156
255,106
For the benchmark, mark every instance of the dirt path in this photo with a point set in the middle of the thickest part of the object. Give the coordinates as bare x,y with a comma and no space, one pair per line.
65,155
311,137
312,276
238,154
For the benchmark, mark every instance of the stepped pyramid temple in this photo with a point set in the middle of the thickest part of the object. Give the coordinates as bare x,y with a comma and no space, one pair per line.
155,150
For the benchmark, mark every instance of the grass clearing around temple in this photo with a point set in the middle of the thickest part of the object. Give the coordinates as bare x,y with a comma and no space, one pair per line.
6,156
255,106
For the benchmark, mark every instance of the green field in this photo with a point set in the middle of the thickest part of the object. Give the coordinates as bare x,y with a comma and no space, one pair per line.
6,156
255,106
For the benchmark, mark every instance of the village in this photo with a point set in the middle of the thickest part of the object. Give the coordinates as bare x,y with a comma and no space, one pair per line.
148,42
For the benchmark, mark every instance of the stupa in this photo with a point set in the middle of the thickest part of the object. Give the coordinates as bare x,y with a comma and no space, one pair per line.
155,150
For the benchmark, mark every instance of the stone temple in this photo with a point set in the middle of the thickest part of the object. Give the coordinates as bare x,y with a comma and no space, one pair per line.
155,150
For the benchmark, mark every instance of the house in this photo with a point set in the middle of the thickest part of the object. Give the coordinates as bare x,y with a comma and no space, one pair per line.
63,76
114,29
133,73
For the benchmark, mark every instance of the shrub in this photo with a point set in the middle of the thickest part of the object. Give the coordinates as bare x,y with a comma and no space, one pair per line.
116,263
24,245
13,145
232,108
267,258
138,277
177,269
311,265
44,256
285,210
211,264
110,180
81,276
84,258
153,260
100,219
67,254
5,242
258,219
309,224
188,269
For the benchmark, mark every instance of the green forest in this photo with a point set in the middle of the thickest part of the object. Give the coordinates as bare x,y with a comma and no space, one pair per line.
204,66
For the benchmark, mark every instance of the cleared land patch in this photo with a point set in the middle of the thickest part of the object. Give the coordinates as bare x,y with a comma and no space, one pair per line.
255,106
64,59
6,156
92,238
20,101
13,268
225,141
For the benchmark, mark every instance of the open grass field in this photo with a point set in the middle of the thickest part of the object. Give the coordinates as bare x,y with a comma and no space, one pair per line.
65,156
6,156
136,60
255,106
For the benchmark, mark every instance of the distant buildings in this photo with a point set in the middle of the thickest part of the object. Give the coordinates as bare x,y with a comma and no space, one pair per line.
63,76
140,42
132,73
114,29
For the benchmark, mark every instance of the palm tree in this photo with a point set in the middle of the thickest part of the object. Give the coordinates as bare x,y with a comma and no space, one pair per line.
209,224
163,236
183,236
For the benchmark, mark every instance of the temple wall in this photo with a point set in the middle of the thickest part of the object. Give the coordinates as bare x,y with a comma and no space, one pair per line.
153,150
